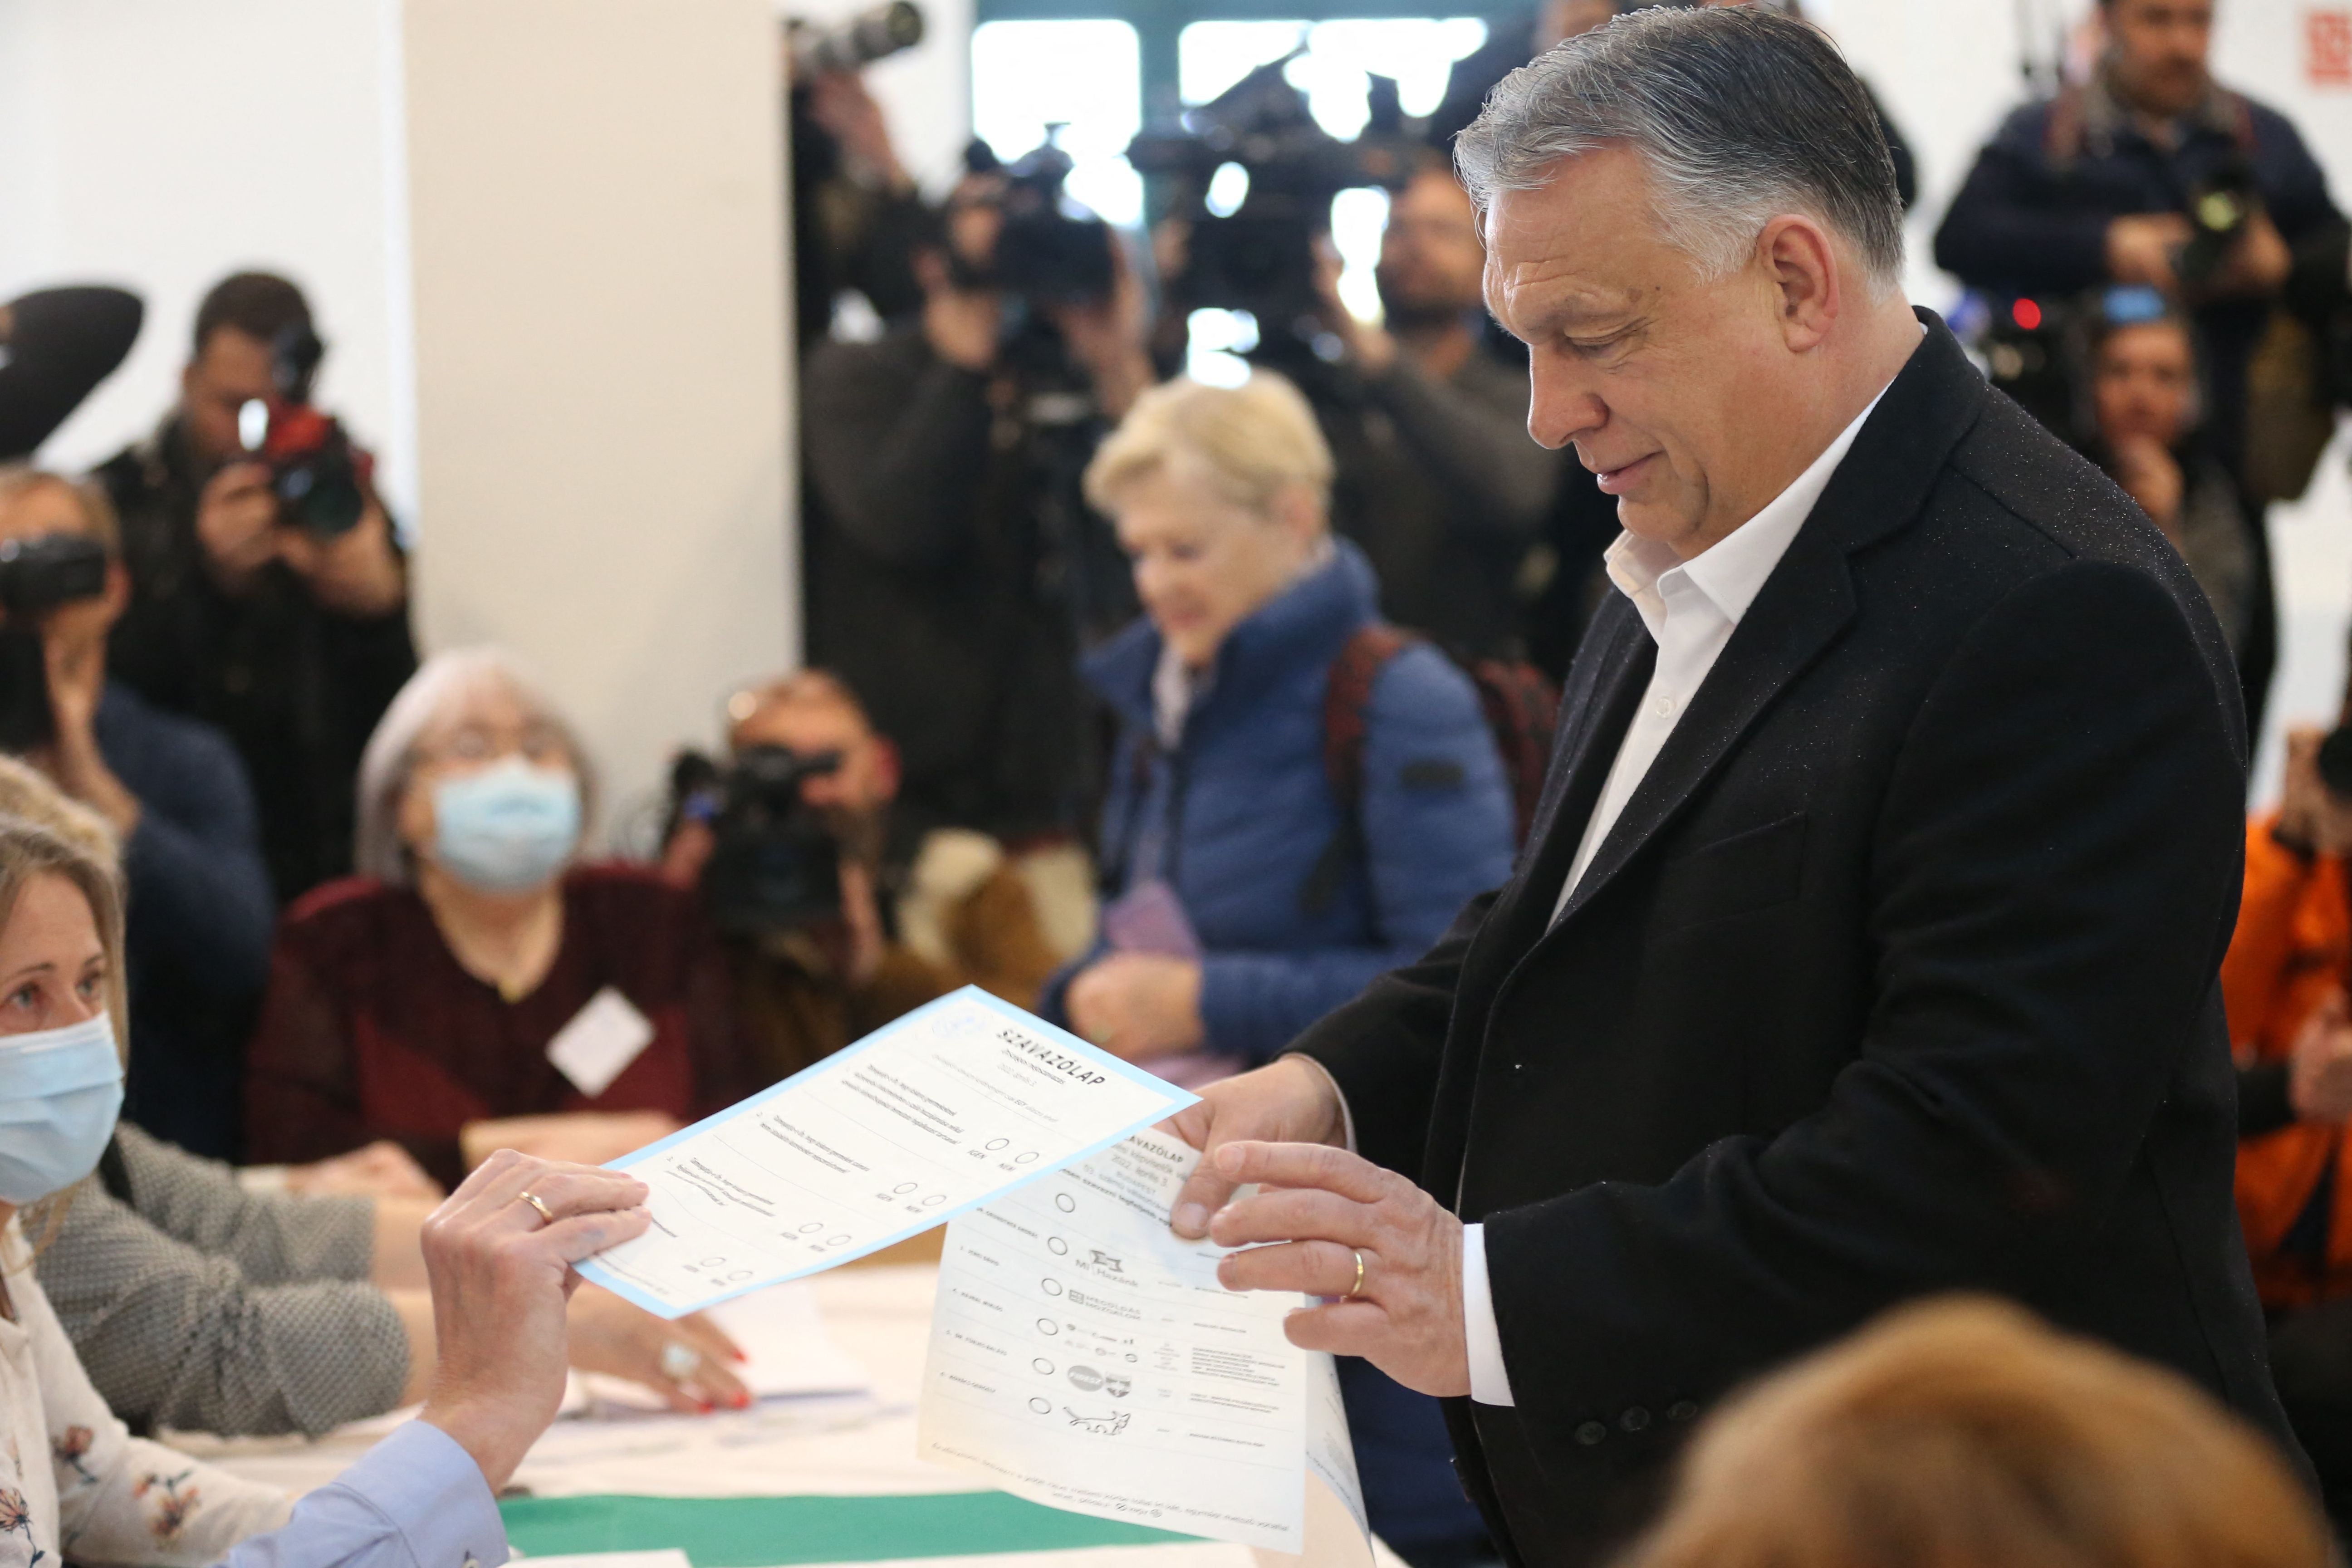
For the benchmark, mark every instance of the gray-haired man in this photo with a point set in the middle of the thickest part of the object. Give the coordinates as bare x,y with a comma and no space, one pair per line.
1866,942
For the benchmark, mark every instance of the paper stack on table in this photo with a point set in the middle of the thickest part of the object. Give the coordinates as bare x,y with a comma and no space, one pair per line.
1085,1356
953,1104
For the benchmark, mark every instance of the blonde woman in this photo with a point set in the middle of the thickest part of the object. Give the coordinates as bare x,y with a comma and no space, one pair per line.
1247,898
74,1484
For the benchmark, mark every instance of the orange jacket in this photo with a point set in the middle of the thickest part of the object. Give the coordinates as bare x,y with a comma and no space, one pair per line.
2292,949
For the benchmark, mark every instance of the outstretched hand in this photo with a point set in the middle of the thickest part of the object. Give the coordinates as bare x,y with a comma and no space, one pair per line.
1317,1211
501,1275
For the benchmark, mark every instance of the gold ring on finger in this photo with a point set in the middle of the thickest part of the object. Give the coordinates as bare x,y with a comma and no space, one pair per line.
1358,1288
535,1200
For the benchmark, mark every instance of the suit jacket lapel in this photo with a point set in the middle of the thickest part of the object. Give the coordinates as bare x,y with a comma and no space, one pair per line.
1878,489
1604,692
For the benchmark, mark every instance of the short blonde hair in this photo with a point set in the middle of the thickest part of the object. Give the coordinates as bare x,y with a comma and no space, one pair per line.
98,517
1965,1434
1250,442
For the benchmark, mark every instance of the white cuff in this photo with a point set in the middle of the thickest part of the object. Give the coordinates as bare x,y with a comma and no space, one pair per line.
1490,1383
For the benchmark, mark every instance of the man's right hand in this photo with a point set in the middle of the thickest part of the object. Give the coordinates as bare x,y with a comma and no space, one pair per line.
501,1276
236,521
2141,245
1289,1101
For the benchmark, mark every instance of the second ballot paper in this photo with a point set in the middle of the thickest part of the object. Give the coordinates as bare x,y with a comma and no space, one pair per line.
1083,1356
955,1103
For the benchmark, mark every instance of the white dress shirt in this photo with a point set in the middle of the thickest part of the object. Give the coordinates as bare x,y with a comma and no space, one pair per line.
1691,608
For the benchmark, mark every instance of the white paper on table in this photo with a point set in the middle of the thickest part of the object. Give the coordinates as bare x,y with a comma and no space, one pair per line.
1084,1356
667,1557
955,1103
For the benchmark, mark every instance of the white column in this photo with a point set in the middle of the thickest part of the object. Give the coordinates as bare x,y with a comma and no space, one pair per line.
596,246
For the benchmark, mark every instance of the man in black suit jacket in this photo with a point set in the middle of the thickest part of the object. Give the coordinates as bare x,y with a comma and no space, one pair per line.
1867,944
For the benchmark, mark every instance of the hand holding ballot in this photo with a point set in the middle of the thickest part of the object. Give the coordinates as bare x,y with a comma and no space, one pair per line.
952,1104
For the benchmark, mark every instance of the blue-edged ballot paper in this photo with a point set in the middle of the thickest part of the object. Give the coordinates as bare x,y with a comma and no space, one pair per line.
956,1103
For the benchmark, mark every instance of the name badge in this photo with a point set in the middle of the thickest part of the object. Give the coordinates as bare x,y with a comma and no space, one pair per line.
601,1041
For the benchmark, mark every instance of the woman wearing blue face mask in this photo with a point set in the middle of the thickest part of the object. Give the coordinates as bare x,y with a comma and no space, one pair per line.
476,986
73,1481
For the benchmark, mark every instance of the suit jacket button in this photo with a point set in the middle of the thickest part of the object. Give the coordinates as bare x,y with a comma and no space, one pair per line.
1591,1432
1634,1420
1682,1410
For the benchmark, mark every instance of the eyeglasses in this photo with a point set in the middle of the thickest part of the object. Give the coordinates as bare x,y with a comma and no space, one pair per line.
535,742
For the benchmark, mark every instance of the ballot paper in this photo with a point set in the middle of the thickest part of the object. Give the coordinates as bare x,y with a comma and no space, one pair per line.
955,1104
1084,1356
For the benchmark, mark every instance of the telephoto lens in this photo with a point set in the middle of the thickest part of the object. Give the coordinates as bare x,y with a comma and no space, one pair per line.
858,42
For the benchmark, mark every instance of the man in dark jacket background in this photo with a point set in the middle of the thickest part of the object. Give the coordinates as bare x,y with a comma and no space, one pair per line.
952,571
2095,186
292,643
1866,942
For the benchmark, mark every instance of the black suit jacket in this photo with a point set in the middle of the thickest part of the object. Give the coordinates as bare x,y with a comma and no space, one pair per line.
1897,975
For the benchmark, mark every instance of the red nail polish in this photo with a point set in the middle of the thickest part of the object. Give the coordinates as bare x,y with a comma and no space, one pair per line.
708,1407
742,1402
739,1355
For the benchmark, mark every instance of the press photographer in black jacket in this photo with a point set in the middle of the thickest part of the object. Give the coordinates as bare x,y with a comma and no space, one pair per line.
952,569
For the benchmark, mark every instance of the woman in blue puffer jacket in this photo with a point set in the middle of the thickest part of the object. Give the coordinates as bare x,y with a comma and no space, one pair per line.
1244,900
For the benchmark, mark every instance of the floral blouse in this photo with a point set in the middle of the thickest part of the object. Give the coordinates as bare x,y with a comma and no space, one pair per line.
75,1484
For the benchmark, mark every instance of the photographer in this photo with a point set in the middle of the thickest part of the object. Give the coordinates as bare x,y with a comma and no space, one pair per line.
1438,478
952,569
2284,982
857,218
834,926
286,627
173,791
2109,183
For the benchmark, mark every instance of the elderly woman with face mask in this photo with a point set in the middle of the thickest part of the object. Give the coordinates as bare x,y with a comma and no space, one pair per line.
1246,900
476,988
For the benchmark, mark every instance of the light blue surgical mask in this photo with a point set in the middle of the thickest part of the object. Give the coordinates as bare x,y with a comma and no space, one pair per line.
60,1090
509,828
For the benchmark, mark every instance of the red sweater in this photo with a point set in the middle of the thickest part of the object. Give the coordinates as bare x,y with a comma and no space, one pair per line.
370,1028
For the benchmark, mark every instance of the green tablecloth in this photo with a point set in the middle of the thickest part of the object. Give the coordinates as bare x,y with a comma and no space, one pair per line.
774,1531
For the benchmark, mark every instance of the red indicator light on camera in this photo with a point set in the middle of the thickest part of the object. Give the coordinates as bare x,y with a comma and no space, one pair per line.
2026,314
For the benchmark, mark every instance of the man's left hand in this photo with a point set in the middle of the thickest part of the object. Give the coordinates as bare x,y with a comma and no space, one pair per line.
1317,1210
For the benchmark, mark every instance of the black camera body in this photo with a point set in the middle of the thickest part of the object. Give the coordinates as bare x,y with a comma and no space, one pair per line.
1261,257
1049,251
315,472
2219,210
775,863
37,576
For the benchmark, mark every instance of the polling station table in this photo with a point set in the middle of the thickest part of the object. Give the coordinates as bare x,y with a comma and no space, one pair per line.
808,1480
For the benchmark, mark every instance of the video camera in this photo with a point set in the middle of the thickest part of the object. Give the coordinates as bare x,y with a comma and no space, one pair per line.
775,863
1050,250
37,576
857,42
315,472
1260,258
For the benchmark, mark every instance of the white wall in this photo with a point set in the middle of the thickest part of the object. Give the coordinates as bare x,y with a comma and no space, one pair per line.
545,241
596,238
165,143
